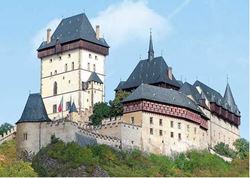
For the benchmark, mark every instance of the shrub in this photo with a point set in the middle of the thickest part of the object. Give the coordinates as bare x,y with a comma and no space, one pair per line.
224,150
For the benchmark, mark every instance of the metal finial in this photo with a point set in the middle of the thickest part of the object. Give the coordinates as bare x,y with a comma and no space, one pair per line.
227,78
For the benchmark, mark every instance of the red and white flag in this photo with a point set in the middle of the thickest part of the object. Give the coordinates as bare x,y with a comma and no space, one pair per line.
60,107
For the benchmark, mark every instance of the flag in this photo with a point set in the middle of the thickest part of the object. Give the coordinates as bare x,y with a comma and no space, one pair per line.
60,107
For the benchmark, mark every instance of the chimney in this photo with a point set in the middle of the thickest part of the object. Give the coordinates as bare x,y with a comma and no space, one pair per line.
170,75
97,31
48,35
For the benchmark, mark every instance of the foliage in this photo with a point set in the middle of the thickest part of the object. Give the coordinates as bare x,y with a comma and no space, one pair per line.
10,166
136,163
116,106
5,127
105,110
242,148
100,111
224,150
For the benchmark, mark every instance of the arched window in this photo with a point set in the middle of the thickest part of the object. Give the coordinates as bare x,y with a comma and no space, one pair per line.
55,89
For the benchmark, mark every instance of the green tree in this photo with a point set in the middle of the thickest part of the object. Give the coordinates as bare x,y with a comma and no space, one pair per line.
116,106
5,127
100,111
223,149
242,148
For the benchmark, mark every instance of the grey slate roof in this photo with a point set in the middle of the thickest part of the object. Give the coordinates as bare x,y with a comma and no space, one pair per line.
227,102
209,92
150,72
71,29
94,77
72,108
119,87
34,110
162,95
189,89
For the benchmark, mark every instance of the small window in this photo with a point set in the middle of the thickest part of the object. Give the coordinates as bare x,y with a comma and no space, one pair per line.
51,73
151,131
69,81
195,130
151,120
88,66
162,141
90,56
172,124
160,132
160,122
188,128
179,125
94,67
132,120
55,71
69,55
66,67
54,108
73,66
50,60
172,134
179,136
60,57
96,57
68,105
25,136
132,142
55,88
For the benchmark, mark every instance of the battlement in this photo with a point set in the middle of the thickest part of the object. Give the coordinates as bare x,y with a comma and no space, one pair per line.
10,134
111,121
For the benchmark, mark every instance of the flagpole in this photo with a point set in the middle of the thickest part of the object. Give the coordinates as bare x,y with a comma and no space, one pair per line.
62,106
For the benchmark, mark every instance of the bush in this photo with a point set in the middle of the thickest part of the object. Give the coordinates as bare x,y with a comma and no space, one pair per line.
224,150
242,148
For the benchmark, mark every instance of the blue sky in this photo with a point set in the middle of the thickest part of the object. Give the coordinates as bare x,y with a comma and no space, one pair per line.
205,40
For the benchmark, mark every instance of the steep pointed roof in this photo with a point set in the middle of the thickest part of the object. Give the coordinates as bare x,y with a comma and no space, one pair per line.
151,48
228,96
74,28
150,72
34,110
94,77
72,108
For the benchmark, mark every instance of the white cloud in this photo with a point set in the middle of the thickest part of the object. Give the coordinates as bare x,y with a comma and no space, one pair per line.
130,20
41,35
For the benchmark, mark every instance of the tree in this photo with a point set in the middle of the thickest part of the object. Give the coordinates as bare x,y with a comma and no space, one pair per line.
100,111
5,127
242,148
223,149
116,106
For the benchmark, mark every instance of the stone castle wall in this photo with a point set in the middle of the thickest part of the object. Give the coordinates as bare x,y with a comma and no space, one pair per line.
9,135
39,135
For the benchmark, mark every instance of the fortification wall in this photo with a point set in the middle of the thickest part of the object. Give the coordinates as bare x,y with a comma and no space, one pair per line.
9,135
110,127
31,137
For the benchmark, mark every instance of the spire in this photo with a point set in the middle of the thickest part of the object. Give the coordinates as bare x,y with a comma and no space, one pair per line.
150,50
228,96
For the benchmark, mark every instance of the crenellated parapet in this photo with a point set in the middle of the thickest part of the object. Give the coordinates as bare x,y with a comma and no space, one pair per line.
10,134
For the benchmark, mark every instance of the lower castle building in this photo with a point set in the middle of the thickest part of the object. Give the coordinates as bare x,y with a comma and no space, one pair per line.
161,114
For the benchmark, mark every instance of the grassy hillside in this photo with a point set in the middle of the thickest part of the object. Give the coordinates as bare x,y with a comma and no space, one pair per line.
10,166
58,159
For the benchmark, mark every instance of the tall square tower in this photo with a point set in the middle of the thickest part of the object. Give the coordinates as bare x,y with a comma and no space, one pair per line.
72,67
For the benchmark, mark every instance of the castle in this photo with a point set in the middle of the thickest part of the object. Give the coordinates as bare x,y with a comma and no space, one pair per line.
161,115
